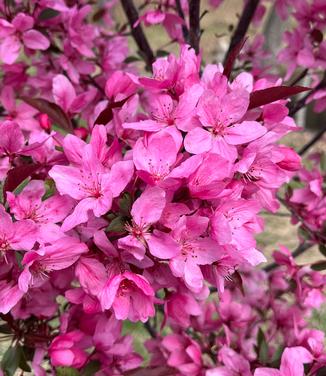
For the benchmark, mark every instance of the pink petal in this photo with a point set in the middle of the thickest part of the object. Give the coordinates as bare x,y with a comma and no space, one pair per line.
244,132
119,176
35,40
198,141
162,245
63,91
9,49
148,208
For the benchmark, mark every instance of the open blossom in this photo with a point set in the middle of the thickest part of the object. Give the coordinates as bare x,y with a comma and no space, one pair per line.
91,186
292,362
146,211
15,236
18,33
44,213
131,201
130,296
57,256
223,127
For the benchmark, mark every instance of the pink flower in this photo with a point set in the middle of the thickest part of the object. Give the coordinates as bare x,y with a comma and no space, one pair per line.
44,213
10,295
57,256
292,362
146,211
195,249
20,113
148,157
166,112
130,296
180,307
65,96
12,139
19,235
234,364
174,74
17,33
184,353
222,117
91,186
67,350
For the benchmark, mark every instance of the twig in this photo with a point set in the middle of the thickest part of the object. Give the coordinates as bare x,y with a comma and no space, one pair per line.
185,30
137,32
194,23
316,138
295,107
150,329
297,252
243,25
300,77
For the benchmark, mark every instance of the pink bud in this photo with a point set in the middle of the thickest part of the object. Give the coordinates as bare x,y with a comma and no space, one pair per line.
45,122
81,133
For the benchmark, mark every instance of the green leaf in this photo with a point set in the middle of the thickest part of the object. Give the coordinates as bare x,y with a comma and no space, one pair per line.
91,368
116,225
67,371
125,204
10,361
49,189
131,59
262,347
322,249
21,186
319,265
162,53
47,14
276,360
23,360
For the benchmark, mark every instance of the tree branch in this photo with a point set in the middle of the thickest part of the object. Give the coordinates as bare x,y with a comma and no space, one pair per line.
137,32
194,23
185,31
316,138
243,25
296,106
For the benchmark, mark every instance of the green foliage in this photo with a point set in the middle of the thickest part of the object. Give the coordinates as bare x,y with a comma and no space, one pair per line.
13,359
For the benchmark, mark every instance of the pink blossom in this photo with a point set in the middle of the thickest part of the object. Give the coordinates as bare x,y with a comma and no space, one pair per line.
17,33
292,363
91,186
66,350
130,296
15,236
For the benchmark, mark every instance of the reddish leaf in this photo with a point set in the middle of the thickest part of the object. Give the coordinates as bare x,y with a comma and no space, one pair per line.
57,115
261,97
233,55
152,371
107,114
17,175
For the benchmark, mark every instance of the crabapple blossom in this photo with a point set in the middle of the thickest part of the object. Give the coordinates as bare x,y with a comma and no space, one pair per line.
132,192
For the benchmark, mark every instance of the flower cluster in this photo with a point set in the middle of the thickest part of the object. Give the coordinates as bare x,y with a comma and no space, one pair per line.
130,198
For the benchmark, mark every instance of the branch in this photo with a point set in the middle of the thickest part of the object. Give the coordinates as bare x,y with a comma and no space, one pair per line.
316,138
295,107
243,25
137,32
185,30
297,252
194,23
